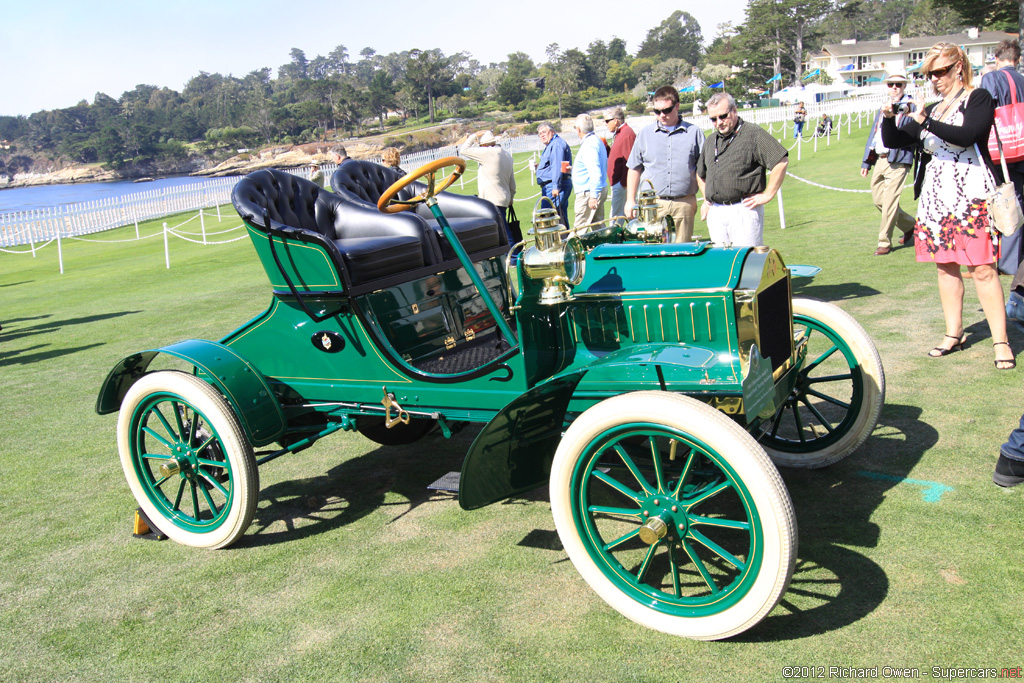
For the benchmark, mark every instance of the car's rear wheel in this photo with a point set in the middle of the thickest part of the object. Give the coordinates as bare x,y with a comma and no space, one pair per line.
838,396
187,460
673,514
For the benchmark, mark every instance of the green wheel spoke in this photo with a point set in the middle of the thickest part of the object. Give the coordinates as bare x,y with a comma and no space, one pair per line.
659,476
646,564
165,442
176,436
799,423
621,488
717,549
699,564
159,482
195,501
674,566
177,497
831,378
219,464
684,477
829,427
830,399
720,522
609,510
640,479
178,409
214,483
706,493
155,456
819,360
209,501
622,539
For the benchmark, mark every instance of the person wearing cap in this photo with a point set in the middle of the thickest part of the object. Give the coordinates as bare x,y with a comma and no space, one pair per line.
622,145
496,180
891,168
317,175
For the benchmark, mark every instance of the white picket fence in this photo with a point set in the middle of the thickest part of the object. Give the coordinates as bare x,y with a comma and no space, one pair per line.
84,218
72,220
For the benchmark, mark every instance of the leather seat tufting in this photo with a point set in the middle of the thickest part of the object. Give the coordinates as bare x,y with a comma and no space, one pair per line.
364,243
477,222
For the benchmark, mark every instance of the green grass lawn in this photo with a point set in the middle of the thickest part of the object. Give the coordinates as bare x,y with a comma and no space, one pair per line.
352,571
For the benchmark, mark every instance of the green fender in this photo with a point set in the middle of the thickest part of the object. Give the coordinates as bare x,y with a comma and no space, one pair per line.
514,451
242,384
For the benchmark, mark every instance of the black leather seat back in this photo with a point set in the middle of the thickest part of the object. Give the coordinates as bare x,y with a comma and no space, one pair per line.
479,225
364,243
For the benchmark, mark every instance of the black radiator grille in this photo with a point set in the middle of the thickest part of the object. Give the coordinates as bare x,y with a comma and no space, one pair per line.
773,310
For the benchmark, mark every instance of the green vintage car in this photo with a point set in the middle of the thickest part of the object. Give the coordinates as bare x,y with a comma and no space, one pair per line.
652,385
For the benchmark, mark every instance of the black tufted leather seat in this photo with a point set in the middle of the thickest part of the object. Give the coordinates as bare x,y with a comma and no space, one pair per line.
365,244
477,222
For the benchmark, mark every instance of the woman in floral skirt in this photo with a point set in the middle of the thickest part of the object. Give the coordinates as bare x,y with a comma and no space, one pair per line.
953,179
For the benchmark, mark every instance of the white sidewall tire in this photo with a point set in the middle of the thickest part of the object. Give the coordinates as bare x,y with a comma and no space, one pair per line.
873,381
237,450
744,456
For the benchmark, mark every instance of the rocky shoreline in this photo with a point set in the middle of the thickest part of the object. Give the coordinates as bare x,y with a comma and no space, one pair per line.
281,156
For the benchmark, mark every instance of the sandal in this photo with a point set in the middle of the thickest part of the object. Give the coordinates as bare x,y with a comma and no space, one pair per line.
939,352
1012,361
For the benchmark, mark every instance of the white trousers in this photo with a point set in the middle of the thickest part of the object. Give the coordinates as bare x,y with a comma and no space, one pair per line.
736,225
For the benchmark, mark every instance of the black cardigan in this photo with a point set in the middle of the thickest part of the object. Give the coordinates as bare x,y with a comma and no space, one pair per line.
979,111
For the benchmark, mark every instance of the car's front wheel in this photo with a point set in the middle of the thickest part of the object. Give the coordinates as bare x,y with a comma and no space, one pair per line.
673,514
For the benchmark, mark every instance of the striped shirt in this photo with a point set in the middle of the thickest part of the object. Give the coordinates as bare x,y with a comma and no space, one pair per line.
733,166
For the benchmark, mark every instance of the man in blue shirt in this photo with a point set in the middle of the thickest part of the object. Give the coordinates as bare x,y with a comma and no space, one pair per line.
589,174
553,170
666,154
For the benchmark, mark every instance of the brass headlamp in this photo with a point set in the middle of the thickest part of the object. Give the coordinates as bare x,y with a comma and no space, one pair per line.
560,264
647,227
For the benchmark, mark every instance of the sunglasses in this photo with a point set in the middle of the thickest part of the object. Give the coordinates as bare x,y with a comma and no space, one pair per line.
659,112
608,120
895,85
939,73
723,117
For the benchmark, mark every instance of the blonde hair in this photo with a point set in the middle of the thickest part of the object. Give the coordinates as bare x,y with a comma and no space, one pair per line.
391,157
952,54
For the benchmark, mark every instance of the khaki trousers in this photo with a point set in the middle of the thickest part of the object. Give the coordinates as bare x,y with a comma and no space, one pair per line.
584,214
886,186
682,211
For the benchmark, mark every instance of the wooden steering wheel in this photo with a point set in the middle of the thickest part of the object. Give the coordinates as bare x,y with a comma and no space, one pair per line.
388,202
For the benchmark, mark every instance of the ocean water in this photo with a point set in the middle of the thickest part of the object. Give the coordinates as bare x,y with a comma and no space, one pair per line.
44,196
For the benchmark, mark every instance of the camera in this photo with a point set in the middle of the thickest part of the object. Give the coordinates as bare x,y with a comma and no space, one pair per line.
904,108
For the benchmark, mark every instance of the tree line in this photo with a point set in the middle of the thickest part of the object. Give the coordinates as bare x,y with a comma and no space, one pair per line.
214,115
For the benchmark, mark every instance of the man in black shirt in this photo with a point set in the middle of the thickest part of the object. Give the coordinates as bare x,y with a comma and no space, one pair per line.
731,175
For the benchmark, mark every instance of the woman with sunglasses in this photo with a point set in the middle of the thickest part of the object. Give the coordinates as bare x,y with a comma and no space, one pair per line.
952,182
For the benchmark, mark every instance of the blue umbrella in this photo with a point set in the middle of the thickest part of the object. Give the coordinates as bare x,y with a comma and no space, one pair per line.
720,84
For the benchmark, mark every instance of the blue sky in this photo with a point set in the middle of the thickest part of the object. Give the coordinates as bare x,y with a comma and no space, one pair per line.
60,52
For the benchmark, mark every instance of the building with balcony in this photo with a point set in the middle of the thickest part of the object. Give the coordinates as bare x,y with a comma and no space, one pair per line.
862,63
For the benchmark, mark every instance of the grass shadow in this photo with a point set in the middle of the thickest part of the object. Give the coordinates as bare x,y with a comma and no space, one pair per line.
834,586
17,358
54,325
15,284
300,508
840,292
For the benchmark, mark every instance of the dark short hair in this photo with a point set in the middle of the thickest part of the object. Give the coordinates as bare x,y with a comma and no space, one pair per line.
666,92
1008,51
340,151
